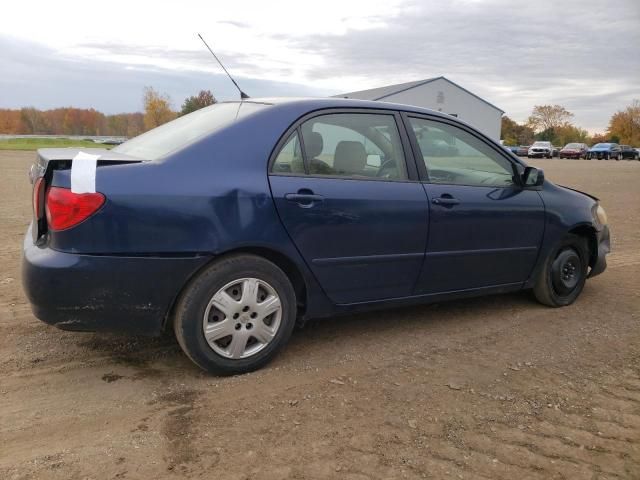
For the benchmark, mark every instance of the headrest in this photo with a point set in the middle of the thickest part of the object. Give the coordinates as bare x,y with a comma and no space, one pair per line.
313,144
350,158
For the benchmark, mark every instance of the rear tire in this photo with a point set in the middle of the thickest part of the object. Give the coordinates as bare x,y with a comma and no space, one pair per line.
564,273
227,304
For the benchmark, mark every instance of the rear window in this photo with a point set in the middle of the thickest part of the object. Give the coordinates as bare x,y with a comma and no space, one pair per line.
167,138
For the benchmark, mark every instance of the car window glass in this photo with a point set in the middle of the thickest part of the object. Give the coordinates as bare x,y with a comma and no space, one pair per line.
172,136
453,156
354,145
289,160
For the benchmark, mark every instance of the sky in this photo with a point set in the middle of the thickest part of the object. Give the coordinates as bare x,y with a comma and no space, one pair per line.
584,55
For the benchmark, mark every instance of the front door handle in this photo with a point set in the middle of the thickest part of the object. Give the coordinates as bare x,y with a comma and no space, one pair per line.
305,200
446,200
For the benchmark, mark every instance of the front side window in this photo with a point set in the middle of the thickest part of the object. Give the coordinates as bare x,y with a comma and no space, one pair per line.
455,157
355,145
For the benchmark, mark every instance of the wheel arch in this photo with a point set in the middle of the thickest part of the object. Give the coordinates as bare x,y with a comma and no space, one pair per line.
282,261
589,232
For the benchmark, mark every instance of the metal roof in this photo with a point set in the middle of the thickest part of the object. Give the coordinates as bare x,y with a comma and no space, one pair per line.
383,92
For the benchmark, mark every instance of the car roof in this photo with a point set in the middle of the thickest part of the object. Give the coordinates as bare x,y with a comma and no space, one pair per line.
316,103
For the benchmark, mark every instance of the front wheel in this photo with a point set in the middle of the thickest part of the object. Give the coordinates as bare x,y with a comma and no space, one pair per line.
235,316
564,274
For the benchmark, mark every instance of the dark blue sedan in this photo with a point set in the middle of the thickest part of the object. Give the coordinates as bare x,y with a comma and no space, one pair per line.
232,223
605,151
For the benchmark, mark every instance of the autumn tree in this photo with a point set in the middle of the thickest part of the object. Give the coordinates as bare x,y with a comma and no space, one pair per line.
515,134
193,103
625,125
545,117
157,108
568,133
599,138
11,121
33,120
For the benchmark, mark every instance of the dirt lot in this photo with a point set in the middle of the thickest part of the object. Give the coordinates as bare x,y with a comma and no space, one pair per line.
496,388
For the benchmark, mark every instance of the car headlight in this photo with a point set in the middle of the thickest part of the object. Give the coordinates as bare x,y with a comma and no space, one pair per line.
601,215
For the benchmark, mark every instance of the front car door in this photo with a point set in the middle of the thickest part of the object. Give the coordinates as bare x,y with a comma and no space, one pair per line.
485,229
353,207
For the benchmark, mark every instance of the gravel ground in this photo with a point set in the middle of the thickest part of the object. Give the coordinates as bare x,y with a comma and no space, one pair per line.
497,387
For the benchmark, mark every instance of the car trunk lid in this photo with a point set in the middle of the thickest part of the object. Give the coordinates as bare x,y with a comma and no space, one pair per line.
50,159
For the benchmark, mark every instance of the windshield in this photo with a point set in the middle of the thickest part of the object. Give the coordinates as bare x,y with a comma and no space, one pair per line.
178,133
602,145
541,144
572,145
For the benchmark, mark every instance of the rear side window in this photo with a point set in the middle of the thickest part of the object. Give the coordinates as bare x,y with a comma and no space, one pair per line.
289,160
348,145
180,132
354,145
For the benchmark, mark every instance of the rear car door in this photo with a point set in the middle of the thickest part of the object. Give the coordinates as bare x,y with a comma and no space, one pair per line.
485,229
351,204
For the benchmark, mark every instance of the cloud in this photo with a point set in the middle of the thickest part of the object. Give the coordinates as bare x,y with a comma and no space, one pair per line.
515,53
43,78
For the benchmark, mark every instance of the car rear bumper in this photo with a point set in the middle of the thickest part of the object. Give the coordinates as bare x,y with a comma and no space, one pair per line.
603,238
103,293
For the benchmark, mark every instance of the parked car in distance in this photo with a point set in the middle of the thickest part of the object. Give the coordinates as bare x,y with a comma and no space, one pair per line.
523,150
574,150
512,148
605,151
540,149
629,152
334,206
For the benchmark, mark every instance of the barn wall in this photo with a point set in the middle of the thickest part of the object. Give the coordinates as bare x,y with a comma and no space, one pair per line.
441,95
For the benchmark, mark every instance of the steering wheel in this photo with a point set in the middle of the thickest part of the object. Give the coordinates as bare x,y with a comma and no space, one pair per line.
387,167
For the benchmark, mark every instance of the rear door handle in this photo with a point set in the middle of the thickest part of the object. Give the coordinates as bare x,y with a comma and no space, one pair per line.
447,201
305,200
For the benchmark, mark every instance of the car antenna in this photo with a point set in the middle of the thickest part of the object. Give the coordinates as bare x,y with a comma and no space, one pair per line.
243,95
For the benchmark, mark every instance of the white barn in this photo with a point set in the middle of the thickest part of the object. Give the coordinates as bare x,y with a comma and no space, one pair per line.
442,95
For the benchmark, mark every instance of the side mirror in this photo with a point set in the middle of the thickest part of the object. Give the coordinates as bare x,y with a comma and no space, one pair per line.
532,177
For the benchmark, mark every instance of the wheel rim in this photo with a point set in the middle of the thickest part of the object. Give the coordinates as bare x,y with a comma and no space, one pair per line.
566,271
242,318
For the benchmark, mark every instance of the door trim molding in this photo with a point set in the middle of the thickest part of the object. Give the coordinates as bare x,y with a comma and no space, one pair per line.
366,259
457,253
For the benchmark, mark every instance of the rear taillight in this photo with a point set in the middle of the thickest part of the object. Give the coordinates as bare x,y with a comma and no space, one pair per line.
66,209
38,198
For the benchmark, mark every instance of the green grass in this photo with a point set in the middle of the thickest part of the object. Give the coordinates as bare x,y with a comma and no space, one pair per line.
44,142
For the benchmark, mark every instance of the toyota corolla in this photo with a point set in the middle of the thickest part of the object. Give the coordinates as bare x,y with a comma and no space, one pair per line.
229,225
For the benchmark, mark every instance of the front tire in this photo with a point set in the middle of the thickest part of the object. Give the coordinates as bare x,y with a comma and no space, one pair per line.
236,315
564,273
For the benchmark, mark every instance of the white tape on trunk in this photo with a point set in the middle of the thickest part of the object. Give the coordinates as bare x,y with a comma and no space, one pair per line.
83,173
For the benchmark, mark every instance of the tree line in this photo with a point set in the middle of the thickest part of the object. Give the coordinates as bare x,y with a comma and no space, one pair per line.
157,109
553,123
547,122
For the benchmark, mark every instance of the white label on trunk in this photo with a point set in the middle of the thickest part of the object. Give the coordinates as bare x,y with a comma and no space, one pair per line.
83,173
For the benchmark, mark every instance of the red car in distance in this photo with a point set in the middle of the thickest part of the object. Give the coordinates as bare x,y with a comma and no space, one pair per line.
574,150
